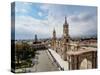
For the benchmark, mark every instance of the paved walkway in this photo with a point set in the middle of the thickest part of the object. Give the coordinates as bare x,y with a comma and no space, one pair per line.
45,63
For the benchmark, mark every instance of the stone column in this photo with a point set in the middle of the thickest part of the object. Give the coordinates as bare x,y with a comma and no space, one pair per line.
74,62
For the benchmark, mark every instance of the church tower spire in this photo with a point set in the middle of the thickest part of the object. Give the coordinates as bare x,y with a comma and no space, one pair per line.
36,39
65,28
54,39
65,20
54,33
65,39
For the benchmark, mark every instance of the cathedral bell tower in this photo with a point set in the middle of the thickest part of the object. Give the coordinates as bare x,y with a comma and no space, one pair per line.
65,39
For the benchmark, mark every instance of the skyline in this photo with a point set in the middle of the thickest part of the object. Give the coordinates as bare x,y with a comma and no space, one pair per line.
41,19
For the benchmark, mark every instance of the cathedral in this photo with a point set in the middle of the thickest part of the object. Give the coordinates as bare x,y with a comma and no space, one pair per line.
62,46
74,52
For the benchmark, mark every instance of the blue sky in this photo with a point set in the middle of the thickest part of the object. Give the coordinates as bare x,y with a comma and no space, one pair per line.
41,19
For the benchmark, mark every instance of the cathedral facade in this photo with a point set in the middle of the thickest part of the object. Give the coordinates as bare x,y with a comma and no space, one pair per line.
62,46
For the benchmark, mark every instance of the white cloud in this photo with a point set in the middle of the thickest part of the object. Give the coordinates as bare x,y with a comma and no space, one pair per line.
27,24
22,10
40,14
45,7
